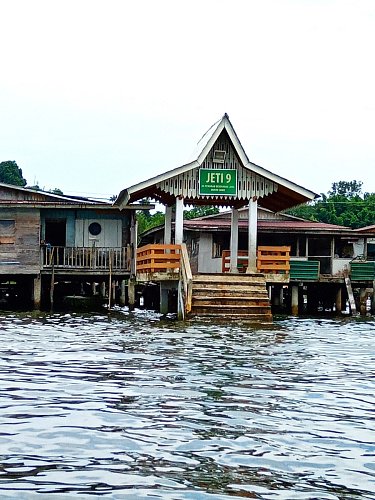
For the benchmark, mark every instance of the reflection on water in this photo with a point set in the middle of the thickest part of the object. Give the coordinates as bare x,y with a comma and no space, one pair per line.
133,407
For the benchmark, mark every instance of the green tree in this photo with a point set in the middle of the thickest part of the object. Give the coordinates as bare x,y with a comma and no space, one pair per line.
148,220
200,211
344,205
10,173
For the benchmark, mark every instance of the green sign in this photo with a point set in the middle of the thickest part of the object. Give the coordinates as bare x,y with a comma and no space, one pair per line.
218,182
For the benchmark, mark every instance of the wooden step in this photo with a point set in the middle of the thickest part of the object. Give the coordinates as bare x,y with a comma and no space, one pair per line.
237,306
247,317
228,292
231,296
253,297
228,278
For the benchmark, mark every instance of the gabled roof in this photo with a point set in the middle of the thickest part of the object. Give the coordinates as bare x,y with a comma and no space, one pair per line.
276,193
19,193
11,196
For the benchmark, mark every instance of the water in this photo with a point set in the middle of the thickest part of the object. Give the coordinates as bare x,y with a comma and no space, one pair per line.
133,407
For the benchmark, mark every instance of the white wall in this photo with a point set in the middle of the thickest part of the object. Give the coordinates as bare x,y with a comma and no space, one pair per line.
359,247
110,235
206,264
339,266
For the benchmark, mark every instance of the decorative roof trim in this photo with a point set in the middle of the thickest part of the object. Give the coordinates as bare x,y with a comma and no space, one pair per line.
126,194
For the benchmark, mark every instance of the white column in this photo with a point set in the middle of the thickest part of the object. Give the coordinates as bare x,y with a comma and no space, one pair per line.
168,226
234,241
133,244
179,221
252,236
294,300
37,292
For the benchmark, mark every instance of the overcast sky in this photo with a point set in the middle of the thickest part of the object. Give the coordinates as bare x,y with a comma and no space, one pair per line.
96,96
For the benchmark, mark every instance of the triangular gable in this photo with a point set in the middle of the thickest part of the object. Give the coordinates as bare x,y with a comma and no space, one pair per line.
253,181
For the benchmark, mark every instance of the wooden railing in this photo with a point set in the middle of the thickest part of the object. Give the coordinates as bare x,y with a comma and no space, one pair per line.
273,260
88,258
242,261
270,260
186,282
158,258
163,262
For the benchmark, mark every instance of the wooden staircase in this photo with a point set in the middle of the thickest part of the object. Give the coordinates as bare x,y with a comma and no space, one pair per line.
231,297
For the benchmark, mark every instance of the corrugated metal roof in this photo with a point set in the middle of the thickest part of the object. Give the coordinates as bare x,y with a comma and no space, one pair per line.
277,225
369,229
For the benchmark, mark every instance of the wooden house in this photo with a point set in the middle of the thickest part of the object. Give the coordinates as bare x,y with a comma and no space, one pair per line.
49,242
320,256
220,174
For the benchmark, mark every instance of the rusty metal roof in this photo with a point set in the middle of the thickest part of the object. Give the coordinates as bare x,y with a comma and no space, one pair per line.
278,225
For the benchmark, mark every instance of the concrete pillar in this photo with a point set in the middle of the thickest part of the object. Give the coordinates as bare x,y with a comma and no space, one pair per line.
180,306
276,296
37,292
179,221
93,288
131,293
102,289
113,292
338,301
163,298
252,236
133,244
362,301
122,295
294,300
234,241
168,225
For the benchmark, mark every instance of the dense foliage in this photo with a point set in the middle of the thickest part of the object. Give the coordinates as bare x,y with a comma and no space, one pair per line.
147,220
10,173
344,204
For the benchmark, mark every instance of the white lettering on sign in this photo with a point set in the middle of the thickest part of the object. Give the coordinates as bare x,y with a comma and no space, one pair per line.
218,178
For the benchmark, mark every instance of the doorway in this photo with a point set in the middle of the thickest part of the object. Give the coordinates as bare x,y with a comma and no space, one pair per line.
55,232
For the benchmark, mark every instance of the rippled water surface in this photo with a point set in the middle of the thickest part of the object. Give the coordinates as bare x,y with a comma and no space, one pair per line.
128,406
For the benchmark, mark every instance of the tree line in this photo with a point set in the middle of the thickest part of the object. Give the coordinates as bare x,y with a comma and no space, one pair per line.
345,205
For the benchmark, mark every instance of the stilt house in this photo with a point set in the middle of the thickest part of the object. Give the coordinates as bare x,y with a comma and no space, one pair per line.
221,175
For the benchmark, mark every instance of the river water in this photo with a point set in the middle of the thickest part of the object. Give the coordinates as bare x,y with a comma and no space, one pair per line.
131,406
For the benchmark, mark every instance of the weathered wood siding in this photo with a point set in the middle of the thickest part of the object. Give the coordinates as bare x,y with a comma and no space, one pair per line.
13,193
19,242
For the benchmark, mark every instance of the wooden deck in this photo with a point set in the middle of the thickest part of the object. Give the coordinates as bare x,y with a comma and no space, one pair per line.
85,259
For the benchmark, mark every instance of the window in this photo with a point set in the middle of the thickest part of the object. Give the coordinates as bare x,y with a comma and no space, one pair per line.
370,251
194,247
7,228
343,248
95,228
219,244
